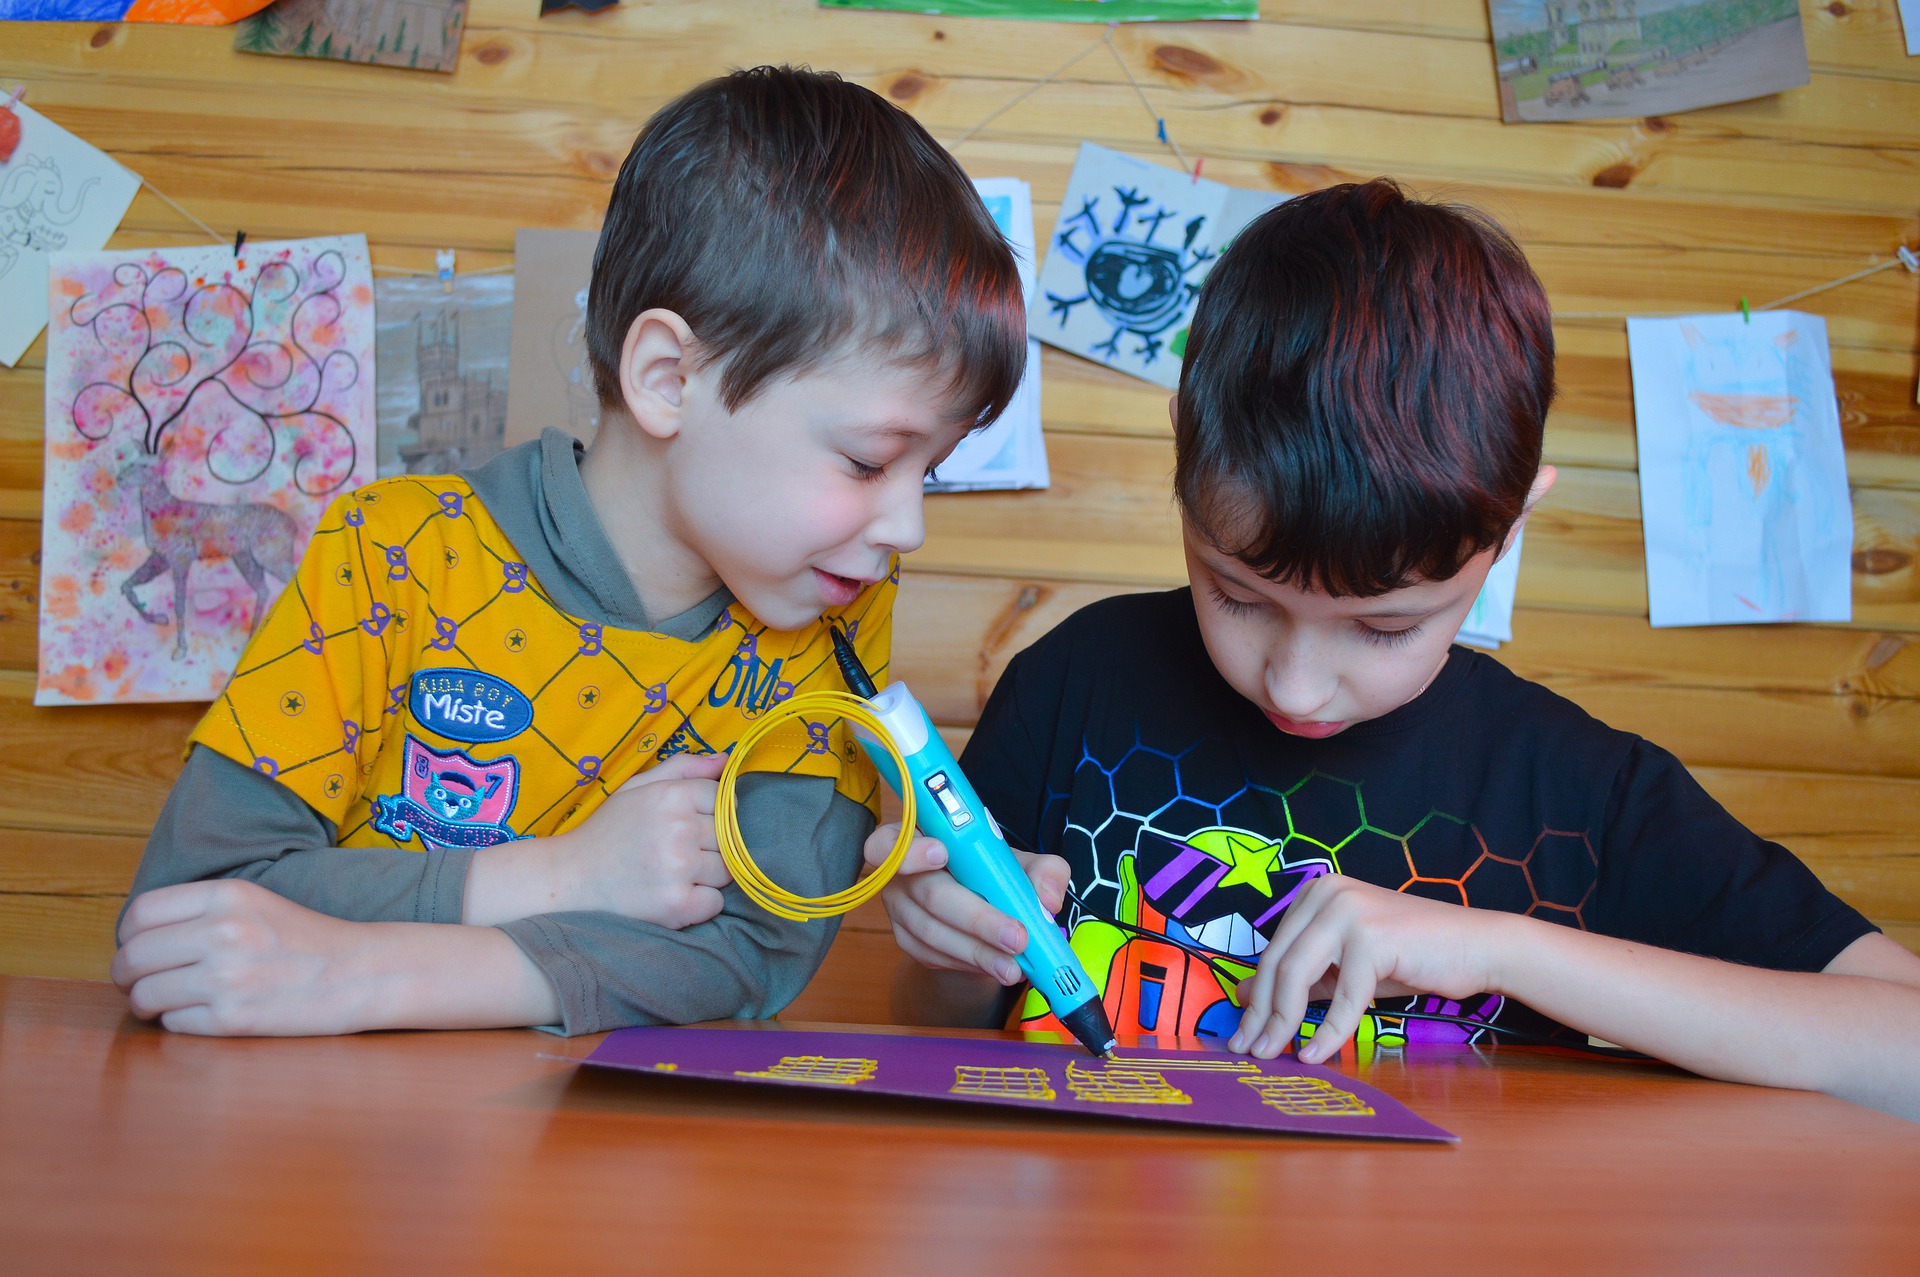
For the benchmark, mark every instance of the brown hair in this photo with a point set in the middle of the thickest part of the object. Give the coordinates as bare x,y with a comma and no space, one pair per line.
785,215
1365,383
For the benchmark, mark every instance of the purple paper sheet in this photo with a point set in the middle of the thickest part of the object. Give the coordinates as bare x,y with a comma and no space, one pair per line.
1192,1088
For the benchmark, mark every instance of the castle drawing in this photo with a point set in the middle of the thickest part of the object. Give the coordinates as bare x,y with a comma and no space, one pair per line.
462,419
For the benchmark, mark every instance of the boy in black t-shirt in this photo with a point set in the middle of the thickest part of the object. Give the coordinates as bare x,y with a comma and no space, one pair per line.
1264,800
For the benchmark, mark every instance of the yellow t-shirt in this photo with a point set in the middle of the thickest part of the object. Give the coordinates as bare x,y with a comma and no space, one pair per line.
416,685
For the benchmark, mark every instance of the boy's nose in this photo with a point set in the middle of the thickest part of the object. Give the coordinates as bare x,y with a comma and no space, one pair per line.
1298,689
900,525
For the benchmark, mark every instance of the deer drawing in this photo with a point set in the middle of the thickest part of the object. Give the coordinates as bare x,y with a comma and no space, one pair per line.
258,539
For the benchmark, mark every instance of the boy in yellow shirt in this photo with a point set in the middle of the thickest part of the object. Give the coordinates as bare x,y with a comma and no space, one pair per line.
501,700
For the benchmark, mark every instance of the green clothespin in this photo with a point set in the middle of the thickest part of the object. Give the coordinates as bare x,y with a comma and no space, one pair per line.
1744,312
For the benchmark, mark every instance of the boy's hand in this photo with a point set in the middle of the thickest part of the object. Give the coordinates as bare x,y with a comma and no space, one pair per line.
942,925
651,850
1351,941
229,957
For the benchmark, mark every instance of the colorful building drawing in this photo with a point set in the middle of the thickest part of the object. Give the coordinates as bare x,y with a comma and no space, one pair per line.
1307,1097
1004,1084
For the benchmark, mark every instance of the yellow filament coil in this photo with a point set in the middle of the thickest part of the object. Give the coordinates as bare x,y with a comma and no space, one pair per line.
764,891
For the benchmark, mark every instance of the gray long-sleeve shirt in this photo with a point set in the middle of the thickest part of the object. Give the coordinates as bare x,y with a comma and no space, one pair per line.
224,820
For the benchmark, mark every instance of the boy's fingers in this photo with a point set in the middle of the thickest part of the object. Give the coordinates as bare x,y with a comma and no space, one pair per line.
157,949
681,767
163,907
1304,963
1256,1000
167,991
923,856
1352,994
944,946
1050,876
711,871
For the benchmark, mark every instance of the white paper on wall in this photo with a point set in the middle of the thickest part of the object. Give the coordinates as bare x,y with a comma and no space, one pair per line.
57,194
1743,478
1012,452
1133,244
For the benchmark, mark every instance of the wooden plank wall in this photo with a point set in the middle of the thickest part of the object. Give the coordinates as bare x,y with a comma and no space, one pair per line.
1810,734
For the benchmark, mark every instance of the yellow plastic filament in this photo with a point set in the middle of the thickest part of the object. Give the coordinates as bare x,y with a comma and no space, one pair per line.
764,891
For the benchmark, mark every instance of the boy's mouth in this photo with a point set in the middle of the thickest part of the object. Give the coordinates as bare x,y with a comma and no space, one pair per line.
1312,731
838,590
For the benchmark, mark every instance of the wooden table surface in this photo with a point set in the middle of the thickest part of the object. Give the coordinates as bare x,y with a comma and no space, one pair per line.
127,1149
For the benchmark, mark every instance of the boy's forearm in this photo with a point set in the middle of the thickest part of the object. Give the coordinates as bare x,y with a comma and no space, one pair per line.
1848,1035
518,879
425,976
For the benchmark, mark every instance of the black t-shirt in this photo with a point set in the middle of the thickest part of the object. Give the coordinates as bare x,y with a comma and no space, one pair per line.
1191,822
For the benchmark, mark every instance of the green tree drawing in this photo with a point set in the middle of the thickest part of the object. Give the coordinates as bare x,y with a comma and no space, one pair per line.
305,46
326,47
262,33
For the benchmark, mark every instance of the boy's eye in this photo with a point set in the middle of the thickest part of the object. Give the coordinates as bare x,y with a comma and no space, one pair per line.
861,470
1237,607
1389,638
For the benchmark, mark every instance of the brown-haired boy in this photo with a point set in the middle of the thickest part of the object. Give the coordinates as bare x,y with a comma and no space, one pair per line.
1280,787
500,700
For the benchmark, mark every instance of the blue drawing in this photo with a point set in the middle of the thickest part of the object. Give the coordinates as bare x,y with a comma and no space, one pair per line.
1139,284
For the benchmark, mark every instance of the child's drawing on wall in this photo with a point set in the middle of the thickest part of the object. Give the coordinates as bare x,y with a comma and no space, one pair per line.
203,408
1132,246
56,192
442,357
1742,472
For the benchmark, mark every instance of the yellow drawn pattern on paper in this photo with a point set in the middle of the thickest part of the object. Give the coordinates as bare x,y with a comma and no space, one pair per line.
826,1070
1160,1065
1009,1083
1307,1097
1123,1086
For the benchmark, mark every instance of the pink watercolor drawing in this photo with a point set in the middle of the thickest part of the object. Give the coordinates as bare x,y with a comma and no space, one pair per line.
203,407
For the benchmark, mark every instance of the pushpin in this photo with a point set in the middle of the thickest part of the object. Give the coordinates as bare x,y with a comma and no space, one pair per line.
1199,162
1744,312
10,125
1163,131
239,242
443,263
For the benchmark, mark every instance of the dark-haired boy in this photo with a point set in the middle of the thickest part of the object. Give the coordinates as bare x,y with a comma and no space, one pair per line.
1281,785
500,700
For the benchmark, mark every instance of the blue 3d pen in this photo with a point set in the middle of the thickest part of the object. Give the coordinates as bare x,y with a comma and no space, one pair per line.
977,852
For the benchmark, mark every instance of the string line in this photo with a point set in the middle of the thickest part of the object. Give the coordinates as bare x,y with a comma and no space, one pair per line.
1024,94
1159,121
378,269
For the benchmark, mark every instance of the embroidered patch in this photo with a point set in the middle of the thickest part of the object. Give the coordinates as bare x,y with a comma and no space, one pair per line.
450,799
467,705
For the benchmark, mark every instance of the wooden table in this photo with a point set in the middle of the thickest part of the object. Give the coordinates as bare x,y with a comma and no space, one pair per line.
127,1149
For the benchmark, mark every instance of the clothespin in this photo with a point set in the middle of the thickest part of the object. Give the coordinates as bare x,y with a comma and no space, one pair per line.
1163,130
239,242
1744,312
1199,162
10,125
1908,259
443,264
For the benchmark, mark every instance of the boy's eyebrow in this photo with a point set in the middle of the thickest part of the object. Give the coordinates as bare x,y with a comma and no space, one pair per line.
894,429
1381,614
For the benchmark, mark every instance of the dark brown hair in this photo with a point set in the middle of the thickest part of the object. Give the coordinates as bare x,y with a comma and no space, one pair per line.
1364,388
786,215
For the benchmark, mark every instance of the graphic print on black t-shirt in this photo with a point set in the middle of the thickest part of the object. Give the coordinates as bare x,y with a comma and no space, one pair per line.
1192,824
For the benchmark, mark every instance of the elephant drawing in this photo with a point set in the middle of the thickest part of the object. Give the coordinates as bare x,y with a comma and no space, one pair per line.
34,206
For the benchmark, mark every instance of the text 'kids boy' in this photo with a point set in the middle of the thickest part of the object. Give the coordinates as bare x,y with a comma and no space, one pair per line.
500,700
1283,784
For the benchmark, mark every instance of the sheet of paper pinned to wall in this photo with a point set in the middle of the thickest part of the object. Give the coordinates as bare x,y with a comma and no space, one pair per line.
1910,21
548,382
1012,452
1127,257
56,193
1743,478
442,359
1490,623
202,410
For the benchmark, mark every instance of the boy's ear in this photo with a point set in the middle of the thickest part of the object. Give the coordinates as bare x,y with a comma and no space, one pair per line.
1542,483
654,363
1173,411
